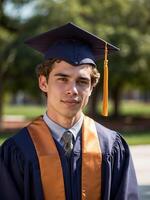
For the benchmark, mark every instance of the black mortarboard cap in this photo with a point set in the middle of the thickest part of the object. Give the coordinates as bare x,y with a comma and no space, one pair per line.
70,43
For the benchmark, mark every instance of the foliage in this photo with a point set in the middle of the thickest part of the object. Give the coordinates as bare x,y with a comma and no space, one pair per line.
122,23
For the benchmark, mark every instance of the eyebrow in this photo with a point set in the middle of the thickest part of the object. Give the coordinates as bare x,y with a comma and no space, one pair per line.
67,76
61,74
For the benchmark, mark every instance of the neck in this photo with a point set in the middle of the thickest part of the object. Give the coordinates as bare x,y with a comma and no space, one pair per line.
65,122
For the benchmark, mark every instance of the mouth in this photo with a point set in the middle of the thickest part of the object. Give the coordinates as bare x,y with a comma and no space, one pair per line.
70,101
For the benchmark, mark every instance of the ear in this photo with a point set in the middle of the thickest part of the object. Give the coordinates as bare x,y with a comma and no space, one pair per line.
43,85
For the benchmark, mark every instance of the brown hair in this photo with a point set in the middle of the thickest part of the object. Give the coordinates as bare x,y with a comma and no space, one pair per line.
46,67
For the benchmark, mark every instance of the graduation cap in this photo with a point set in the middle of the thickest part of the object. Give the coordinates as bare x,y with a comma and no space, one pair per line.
76,46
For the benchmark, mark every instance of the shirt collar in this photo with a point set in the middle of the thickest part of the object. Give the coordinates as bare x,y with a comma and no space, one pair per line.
57,130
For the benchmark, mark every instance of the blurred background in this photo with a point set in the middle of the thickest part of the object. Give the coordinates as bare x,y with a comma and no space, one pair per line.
125,24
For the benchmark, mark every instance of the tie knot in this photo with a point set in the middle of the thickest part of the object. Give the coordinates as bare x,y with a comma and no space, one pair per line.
67,136
67,140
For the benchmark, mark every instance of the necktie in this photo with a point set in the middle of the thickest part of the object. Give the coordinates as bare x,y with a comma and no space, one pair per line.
68,143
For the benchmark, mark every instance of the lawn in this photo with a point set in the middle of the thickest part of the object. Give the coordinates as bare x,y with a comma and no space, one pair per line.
137,138
132,138
4,136
135,108
28,111
132,108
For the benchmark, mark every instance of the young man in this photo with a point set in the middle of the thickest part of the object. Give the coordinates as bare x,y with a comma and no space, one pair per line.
64,154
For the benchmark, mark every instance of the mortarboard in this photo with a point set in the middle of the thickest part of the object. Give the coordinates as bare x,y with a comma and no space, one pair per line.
76,46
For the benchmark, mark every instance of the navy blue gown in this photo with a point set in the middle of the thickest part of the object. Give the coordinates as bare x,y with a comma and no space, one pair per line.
20,173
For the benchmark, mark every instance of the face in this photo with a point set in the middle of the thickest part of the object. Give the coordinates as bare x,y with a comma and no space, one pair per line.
68,89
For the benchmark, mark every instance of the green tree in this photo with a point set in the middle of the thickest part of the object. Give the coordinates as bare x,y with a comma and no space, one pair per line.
10,28
122,23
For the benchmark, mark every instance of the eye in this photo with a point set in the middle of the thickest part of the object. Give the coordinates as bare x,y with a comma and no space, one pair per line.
83,82
62,79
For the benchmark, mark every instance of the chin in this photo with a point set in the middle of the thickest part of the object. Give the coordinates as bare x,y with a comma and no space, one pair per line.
71,114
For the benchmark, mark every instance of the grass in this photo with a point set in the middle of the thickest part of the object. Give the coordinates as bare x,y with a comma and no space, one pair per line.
137,138
29,111
132,108
4,136
135,108
132,138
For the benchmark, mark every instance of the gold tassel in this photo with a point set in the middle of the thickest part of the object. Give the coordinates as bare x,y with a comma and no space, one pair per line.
105,84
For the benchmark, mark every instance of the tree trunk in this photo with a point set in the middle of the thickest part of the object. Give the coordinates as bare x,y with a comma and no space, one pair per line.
146,96
116,98
1,102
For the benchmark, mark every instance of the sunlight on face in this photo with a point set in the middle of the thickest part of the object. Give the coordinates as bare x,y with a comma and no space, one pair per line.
68,89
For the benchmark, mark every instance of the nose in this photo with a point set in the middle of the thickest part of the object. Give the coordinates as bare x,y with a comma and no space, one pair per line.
72,89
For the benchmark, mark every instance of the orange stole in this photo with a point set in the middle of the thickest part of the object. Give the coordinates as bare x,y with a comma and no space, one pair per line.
50,164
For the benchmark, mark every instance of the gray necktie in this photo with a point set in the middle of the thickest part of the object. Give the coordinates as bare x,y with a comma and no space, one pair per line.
68,142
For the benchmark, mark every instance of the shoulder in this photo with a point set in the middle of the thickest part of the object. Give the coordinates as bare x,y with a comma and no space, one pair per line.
19,145
111,141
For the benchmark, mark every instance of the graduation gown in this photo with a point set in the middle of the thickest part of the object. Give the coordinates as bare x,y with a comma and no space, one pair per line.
20,172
